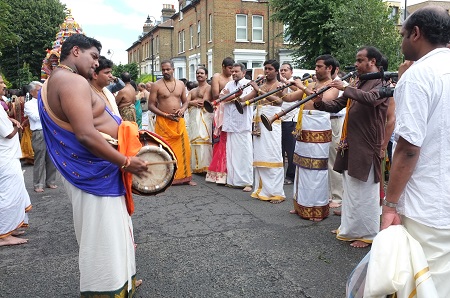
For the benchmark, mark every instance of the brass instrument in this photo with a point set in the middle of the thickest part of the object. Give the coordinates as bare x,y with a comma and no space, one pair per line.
240,105
268,121
209,106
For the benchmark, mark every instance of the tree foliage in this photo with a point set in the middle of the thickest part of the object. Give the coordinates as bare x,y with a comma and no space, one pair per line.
131,68
33,26
339,28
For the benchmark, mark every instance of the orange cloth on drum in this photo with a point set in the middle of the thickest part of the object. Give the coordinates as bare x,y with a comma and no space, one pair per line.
175,134
129,145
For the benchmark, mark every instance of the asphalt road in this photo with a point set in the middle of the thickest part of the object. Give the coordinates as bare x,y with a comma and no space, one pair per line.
203,241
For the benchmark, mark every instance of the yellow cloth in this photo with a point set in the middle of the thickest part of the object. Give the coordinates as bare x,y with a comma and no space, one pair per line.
298,126
129,145
25,143
175,134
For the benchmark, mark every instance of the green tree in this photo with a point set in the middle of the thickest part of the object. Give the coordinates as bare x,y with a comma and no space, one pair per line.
337,27
25,76
131,68
34,24
7,36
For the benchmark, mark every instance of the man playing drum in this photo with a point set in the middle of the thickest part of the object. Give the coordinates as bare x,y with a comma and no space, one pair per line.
72,115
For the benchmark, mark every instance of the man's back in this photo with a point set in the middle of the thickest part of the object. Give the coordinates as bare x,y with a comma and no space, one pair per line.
126,96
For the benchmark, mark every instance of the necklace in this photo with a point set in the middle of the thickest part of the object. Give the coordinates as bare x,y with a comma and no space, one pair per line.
67,68
102,95
270,88
318,86
168,87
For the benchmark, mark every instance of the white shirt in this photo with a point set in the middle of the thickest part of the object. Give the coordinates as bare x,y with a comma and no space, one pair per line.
292,116
342,112
9,148
32,112
422,99
233,121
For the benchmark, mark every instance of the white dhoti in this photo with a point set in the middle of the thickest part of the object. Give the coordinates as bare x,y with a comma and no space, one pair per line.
104,233
268,158
335,178
311,158
145,123
200,137
360,218
435,246
151,121
14,198
239,159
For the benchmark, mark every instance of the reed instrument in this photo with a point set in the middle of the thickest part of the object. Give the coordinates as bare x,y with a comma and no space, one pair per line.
240,105
268,121
209,106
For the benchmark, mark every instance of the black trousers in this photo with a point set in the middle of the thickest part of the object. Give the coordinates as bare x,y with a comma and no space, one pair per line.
288,146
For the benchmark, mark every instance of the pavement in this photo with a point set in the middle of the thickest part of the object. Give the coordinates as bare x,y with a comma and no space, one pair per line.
192,241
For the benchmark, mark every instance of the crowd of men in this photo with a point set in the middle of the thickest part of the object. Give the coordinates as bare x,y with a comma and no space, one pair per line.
330,148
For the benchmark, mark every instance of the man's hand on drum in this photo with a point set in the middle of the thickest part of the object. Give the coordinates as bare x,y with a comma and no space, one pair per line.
137,167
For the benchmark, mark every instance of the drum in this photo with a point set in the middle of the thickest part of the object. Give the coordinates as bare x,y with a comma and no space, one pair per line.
162,165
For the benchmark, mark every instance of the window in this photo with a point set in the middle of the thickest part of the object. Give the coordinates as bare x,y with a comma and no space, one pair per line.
210,27
198,33
257,28
157,44
191,34
286,36
241,27
181,41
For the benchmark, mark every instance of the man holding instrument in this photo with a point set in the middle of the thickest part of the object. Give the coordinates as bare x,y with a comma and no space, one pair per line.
75,120
169,102
359,153
217,170
313,133
267,156
239,151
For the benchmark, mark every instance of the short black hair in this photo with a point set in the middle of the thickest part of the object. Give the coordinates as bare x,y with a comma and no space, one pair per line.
372,53
228,61
204,69
125,76
433,22
328,60
103,63
78,40
274,63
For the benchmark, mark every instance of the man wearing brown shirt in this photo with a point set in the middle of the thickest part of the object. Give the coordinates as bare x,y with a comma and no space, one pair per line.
359,152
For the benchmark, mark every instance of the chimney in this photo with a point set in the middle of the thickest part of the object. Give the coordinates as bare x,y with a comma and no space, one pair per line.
148,25
167,12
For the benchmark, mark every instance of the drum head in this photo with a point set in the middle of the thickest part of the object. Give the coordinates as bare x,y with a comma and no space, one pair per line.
159,175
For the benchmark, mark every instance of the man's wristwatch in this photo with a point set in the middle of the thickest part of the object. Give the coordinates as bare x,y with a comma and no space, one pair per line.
389,204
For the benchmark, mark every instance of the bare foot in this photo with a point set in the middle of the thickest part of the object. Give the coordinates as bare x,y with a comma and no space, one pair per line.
38,189
293,211
138,283
337,212
247,189
276,201
334,205
52,186
192,183
359,244
334,231
11,240
17,233
316,219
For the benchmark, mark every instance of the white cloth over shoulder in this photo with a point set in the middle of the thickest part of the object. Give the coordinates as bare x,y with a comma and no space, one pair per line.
398,264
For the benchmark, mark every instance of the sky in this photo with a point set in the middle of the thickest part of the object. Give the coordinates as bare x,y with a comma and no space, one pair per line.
115,23
118,23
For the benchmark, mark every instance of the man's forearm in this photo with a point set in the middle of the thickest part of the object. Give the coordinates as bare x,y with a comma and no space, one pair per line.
404,163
